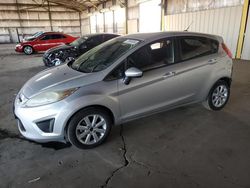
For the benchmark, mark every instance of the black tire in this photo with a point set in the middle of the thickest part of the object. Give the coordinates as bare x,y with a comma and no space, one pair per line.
209,104
28,50
73,128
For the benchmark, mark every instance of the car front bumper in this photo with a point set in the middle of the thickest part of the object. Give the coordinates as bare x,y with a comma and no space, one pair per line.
30,120
19,48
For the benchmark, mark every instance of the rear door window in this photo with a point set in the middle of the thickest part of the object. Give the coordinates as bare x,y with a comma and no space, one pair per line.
191,47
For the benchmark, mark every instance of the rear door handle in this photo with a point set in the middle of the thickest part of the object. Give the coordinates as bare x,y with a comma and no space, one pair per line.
169,74
212,61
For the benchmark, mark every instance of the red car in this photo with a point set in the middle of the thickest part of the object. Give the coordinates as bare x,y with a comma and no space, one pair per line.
42,41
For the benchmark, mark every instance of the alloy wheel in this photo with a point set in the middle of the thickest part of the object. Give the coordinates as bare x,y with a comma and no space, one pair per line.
219,96
91,129
28,50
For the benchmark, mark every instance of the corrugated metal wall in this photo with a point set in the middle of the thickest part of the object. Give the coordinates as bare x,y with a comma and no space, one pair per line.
133,17
19,17
223,21
246,45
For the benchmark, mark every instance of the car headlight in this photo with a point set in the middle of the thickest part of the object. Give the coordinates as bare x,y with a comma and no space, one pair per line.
49,97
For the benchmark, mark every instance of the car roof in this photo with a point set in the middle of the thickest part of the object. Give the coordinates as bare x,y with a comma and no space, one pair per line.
156,35
99,34
51,32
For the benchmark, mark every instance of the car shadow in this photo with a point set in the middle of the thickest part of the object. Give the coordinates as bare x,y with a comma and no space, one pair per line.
56,145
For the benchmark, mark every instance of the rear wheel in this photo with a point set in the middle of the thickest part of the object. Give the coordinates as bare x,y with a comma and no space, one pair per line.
89,128
218,96
28,50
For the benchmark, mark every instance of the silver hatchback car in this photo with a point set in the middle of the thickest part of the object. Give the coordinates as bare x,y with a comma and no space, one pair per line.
121,80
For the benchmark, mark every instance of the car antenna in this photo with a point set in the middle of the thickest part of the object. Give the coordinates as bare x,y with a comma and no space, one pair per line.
188,26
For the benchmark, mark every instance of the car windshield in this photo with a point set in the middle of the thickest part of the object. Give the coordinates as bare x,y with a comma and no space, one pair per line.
79,41
34,36
104,55
37,34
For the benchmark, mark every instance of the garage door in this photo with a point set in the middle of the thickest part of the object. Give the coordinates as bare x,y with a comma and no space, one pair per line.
150,16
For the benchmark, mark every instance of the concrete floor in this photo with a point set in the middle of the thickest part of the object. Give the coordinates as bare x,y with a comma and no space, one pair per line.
186,147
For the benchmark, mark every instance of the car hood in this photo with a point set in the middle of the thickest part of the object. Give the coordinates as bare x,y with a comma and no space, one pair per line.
58,48
56,79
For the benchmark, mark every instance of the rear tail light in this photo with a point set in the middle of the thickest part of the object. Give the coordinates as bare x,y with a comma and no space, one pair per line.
226,49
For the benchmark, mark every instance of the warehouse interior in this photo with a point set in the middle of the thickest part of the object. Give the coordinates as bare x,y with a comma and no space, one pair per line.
185,147
21,18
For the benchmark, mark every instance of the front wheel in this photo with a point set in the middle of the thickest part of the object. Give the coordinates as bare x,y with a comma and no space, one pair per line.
89,128
28,50
218,96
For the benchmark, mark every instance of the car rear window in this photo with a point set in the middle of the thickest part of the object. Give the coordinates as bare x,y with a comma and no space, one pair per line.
191,47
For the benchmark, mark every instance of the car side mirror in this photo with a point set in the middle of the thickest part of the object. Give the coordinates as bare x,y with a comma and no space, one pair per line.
132,72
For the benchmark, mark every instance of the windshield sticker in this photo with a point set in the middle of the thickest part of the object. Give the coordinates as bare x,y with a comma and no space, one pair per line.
130,41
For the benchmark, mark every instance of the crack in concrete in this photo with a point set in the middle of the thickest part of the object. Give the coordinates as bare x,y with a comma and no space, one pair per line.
7,134
235,183
151,169
126,161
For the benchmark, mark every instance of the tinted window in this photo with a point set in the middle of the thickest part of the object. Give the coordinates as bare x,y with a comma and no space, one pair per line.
79,41
214,46
191,47
117,73
94,41
154,55
108,37
57,36
46,37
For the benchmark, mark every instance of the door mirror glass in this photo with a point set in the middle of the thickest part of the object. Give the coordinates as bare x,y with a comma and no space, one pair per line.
132,73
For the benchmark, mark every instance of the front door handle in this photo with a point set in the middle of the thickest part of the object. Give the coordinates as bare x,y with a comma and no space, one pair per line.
169,74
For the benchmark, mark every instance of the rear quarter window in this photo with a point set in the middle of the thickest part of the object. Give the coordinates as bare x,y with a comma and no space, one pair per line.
192,47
